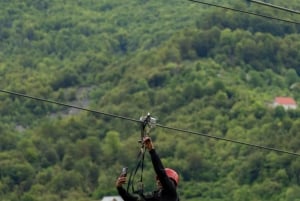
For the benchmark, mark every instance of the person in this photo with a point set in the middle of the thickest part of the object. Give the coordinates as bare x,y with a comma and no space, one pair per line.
166,180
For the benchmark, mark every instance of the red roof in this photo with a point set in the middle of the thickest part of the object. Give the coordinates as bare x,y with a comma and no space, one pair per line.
285,101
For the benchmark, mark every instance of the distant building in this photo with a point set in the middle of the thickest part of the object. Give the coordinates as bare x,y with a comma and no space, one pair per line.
286,102
112,198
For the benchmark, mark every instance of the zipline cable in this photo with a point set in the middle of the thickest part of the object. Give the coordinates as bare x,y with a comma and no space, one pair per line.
243,11
158,125
229,140
274,6
67,105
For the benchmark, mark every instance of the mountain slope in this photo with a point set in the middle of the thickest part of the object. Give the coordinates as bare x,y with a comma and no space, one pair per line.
194,67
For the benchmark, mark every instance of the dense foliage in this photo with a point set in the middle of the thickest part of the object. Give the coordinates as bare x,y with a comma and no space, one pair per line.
194,67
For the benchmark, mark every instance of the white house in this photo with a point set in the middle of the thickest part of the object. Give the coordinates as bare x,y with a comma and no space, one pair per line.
286,102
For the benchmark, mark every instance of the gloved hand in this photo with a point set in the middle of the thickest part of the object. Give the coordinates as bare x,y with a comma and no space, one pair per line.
148,143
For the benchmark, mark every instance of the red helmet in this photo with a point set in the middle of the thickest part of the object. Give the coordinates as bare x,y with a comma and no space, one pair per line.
172,174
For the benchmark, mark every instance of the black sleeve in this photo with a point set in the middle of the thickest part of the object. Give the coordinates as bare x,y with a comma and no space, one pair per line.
125,195
167,184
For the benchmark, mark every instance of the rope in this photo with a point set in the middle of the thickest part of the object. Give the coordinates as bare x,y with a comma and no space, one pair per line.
246,12
158,125
275,6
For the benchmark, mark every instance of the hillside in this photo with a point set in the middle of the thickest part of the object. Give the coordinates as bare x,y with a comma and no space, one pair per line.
195,67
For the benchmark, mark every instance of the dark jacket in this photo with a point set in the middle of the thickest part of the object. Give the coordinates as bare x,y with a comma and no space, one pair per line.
168,191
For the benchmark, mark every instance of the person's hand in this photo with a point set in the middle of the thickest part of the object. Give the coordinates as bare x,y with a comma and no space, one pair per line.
148,143
120,181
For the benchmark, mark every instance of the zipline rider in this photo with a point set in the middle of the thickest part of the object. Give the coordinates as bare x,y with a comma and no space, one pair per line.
166,180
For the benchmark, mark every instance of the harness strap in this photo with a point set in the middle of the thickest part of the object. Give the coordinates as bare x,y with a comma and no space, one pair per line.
140,164
145,129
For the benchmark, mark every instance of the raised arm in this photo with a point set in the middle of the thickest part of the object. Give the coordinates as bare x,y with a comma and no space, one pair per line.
122,192
159,169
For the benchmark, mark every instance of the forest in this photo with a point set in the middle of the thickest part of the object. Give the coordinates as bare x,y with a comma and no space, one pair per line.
195,67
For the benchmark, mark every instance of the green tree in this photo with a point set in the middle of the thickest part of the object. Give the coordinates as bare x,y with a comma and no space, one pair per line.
66,180
111,146
291,77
